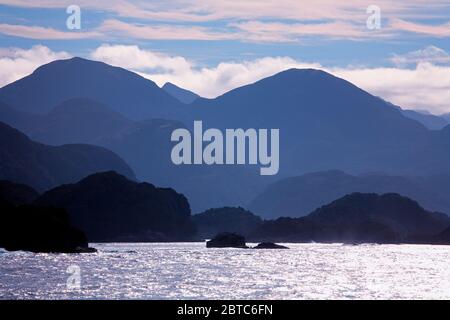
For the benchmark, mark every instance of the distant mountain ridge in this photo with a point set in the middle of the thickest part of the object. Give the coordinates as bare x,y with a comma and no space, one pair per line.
428,120
125,92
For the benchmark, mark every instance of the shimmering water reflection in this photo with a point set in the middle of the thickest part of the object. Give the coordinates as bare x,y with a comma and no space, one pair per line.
190,271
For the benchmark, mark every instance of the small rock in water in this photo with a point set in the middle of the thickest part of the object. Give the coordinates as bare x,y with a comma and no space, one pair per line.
269,245
227,240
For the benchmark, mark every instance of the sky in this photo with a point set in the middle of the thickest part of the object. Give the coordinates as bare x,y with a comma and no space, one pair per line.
398,50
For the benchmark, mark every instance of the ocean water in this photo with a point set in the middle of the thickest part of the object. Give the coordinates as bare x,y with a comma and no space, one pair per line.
190,271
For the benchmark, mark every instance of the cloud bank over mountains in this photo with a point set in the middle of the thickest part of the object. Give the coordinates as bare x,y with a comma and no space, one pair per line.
423,85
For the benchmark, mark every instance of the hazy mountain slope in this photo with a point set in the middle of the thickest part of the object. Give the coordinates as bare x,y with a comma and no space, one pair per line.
42,167
79,121
446,116
428,120
183,95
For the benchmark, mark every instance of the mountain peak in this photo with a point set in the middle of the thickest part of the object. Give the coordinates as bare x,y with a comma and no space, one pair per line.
316,76
70,63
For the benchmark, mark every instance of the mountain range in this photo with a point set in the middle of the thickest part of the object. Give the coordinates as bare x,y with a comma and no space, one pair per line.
325,123
360,217
353,218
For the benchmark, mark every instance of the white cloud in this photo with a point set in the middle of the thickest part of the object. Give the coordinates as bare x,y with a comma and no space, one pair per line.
430,54
208,82
16,63
427,86
133,58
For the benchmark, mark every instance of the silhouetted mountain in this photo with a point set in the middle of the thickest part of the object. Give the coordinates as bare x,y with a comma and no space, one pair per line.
39,229
227,219
428,120
109,207
183,95
125,92
42,167
297,196
358,217
401,214
16,194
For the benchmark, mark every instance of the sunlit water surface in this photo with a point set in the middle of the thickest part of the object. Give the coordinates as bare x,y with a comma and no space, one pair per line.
190,271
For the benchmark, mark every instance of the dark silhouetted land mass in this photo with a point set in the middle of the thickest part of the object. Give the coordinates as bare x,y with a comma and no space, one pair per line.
16,194
298,196
35,228
269,245
359,218
110,207
227,240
